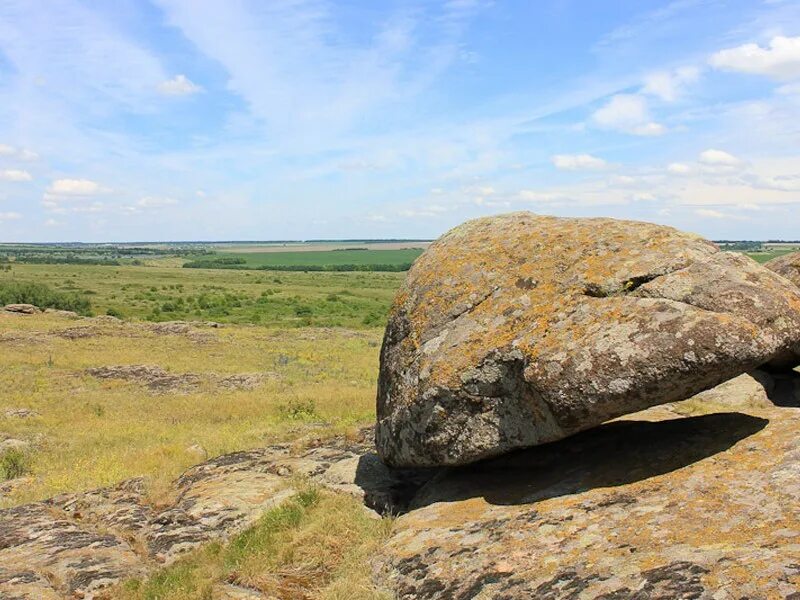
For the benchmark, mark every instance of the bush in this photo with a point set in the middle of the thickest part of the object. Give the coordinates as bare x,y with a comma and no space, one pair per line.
113,312
299,410
14,463
38,294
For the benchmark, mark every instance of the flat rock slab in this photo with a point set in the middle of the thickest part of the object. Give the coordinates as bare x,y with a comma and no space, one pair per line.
704,507
787,265
518,330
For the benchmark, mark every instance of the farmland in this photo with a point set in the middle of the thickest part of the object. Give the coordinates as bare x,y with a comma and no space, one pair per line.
346,256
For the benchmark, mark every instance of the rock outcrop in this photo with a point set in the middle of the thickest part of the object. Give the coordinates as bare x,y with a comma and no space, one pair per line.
76,545
787,265
702,507
518,330
21,309
656,505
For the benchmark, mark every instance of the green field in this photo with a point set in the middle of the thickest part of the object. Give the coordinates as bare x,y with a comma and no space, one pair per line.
286,299
260,260
767,255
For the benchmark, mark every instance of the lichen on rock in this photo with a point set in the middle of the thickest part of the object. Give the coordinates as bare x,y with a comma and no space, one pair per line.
518,330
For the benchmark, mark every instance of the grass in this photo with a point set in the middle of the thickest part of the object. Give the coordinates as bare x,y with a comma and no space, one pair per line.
14,463
38,294
327,257
166,293
92,432
313,546
767,255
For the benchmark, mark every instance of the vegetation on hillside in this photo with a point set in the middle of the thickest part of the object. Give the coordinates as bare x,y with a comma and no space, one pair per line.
88,432
41,295
230,296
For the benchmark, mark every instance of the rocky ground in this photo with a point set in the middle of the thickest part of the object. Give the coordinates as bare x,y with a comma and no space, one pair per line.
665,503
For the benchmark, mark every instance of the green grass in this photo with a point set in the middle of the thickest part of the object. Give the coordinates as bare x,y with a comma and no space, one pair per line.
767,255
313,258
39,294
167,293
14,463
313,546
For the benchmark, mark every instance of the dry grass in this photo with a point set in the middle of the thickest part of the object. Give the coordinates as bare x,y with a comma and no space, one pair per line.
316,546
92,432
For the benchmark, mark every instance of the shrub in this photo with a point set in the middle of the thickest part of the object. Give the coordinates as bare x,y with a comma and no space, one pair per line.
299,410
14,463
38,294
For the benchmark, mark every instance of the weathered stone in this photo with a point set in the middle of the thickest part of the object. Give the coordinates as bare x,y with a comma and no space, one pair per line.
518,330
702,507
76,545
67,314
20,413
22,309
787,265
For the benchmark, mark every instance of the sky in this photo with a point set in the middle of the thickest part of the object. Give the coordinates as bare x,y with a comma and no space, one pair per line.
151,120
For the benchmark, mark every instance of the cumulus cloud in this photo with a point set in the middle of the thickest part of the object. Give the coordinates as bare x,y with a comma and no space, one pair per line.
15,175
180,85
74,187
578,162
628,113
779,60
17,153
679,168
9,216
669,85
718,158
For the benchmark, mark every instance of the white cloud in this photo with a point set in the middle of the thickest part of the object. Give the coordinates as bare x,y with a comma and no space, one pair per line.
679,168
669,85
17,153
718,158
180,85
51,223
578,162
628,113
9,216
779,60
16,175
74,187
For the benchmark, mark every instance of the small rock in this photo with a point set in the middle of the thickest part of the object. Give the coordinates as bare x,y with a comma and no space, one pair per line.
198,451
22,309
14,444
20,413
67,314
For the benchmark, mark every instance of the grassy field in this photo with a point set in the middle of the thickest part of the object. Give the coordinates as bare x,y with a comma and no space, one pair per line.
767,255
328,257
165,293
87,431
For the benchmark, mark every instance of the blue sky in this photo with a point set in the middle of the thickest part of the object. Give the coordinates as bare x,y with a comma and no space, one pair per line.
300,119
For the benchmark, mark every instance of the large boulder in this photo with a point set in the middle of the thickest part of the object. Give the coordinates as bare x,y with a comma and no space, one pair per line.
517,330
787,265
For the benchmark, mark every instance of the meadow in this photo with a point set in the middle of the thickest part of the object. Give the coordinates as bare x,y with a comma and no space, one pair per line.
326,258
168,293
